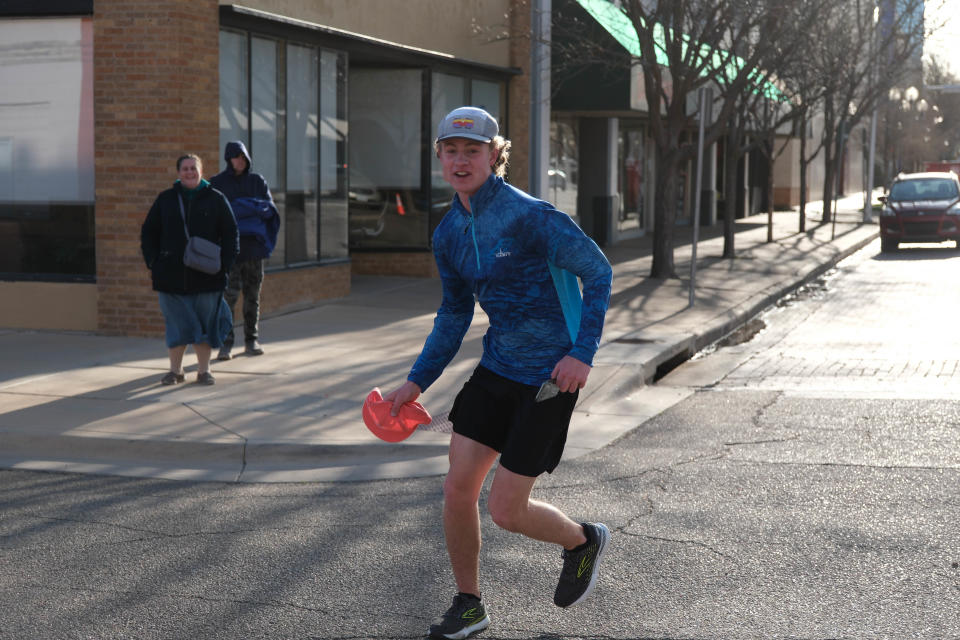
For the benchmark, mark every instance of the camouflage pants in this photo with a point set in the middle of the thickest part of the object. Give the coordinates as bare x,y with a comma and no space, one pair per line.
245,277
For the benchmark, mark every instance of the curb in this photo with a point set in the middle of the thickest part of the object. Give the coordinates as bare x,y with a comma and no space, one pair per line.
622,398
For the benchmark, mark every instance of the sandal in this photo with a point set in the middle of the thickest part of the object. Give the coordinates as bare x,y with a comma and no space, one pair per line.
172,378
205,378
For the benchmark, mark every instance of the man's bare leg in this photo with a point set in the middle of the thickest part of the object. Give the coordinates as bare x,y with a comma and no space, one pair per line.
513,510
470,462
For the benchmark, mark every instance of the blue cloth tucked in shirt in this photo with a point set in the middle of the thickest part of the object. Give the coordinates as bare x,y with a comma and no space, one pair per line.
258,223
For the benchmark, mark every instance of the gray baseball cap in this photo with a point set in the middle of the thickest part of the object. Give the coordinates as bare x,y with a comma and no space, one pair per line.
472,123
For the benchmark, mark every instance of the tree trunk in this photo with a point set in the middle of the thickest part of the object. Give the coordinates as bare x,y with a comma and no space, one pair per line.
731,188
803,174
769,146
828,177
829,129
664,214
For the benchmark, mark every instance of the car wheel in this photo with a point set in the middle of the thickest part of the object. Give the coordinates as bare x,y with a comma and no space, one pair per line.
888,245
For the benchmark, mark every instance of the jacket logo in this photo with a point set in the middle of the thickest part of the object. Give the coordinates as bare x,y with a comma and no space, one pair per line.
502,254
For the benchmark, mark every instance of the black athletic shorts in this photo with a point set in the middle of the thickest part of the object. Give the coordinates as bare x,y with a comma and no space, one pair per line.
502,414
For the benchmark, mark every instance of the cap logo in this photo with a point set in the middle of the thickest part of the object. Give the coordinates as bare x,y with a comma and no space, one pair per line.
462,123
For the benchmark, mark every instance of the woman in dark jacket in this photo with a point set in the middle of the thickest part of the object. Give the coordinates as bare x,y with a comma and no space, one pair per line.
191,301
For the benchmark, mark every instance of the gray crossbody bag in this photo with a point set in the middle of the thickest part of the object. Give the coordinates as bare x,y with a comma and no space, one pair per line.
200,254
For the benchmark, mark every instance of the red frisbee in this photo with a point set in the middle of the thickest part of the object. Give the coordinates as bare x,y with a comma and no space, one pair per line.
376,415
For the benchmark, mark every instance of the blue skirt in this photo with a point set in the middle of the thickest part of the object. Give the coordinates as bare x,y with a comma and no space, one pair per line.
195,318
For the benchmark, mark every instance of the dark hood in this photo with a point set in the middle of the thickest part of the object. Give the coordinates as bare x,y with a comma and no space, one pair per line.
234,149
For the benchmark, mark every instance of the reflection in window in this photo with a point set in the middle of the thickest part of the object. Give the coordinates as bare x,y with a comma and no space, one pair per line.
46,148
387,202
302,118
333,150
296,132
233,88
562,175
265,130
486,95
632,179
264,121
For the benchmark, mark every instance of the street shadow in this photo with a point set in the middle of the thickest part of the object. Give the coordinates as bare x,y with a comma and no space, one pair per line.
120,550
71,416
552,636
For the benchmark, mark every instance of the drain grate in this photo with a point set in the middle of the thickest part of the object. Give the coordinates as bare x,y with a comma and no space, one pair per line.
742,334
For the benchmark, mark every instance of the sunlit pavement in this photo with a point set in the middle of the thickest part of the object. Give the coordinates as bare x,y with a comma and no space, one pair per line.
92,404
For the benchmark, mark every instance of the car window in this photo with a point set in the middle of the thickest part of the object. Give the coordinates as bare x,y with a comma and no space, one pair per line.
930,189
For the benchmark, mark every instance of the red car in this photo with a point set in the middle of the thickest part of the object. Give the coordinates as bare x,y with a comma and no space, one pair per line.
921,207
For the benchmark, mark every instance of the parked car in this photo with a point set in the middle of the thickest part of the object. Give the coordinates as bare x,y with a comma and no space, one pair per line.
921,207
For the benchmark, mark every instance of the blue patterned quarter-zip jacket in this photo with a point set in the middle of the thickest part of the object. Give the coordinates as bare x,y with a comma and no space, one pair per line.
518,256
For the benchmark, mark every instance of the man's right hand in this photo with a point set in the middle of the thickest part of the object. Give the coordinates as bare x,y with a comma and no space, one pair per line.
408,392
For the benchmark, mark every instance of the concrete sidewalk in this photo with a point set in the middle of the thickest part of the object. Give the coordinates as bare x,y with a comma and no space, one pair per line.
93,404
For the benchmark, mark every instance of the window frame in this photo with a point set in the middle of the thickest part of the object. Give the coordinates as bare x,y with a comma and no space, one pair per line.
282,44
79,213
364,51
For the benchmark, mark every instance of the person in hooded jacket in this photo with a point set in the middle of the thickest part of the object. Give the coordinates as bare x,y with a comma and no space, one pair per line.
237,182
191,301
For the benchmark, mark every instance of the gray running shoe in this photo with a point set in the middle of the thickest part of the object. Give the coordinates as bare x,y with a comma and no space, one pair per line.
580,568
464,618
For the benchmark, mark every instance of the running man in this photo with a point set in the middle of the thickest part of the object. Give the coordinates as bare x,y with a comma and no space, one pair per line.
520,257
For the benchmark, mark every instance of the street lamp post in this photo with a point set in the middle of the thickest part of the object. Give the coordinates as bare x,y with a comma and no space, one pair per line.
891,138
910,128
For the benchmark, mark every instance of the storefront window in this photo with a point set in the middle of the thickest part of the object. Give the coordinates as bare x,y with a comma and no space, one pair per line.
632,178
302,148
333,151
562,175
264,117
486,95
46,149
289,108
388,207
233,88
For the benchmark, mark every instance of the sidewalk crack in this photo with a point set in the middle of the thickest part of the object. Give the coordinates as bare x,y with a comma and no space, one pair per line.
243,440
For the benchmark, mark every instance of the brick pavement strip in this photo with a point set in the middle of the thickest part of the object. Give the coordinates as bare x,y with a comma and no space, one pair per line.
874,329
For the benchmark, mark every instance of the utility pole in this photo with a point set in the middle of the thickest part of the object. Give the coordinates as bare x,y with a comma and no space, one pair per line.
540,97
706,101
871,156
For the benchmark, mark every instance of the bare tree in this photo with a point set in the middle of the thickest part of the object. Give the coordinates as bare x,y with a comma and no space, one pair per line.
733,45
855,36
753,126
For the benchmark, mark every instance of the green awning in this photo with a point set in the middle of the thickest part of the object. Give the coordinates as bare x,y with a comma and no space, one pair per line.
617,24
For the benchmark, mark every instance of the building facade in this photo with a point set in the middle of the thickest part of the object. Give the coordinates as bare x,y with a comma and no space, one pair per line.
337,101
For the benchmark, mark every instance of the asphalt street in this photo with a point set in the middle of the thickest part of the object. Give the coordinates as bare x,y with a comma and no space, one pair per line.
789,496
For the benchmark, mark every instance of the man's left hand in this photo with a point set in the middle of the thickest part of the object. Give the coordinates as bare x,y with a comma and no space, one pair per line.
570,374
